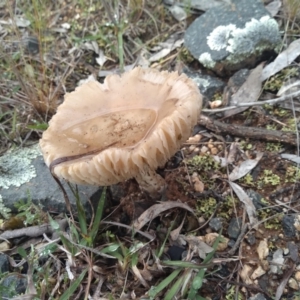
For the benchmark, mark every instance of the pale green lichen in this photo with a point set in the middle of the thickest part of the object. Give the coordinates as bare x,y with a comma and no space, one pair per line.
255,37
257,33
219,37
201,82
206,60
16,167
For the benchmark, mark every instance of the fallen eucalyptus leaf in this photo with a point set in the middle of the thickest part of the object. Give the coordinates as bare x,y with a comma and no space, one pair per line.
243,197
153,211
245,167
282,60
248,92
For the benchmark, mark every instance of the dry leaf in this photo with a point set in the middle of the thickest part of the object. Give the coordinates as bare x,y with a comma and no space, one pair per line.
263,249
282,60
153,211
174,234
248,92
292,157
258,272
211,237
245,274
243,197
273,7
197,244
234,148
245,167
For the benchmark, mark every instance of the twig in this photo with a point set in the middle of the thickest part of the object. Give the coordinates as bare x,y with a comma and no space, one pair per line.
270,101
250,132
32,231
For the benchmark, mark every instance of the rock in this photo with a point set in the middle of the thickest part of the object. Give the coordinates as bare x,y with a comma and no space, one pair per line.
288,226
4,263
256,199
293,284
216,224
23,175
234,228
175,252
230,37
12,285
197,4
258,296
207,84
178,12
250,238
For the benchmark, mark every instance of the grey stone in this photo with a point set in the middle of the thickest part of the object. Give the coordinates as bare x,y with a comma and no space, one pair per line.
178,12
216,224
4,263
207,84
12,285
24,174
256,199
251,239
234,228
258,296
288,226
230,37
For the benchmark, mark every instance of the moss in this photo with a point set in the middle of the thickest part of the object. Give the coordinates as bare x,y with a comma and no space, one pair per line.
272,222
275,82
206,207
273,147
291,125
247,179
292,174
202,163
16,168
227,207
268,178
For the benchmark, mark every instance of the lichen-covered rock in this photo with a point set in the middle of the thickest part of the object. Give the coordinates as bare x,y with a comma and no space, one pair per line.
24,174
230,37
207,84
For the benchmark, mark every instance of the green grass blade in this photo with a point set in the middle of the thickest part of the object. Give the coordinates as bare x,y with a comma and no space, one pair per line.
173,290
196,284
184,264
72,288
156,289
80,211
98,215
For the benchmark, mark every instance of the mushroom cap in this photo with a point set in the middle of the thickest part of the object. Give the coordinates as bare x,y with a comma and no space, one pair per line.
106,133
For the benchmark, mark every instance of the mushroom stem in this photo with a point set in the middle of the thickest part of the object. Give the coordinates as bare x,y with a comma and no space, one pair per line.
152,183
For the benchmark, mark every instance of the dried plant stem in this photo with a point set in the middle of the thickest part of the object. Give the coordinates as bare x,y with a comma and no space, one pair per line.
120,49
258,103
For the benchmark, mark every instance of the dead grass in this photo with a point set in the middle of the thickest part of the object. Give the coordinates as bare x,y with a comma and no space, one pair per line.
42,60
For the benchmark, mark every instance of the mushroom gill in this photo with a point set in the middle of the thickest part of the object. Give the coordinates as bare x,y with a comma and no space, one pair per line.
126,127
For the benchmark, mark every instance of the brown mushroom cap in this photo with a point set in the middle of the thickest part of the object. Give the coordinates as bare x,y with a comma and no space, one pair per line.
126,127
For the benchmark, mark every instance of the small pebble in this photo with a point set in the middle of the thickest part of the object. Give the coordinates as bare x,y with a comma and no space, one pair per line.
194,139
297,276
192,148
286,251
293,284
196,150
204,149
214,151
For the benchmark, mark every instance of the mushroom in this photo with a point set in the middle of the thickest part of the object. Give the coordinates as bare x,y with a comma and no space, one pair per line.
125,128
